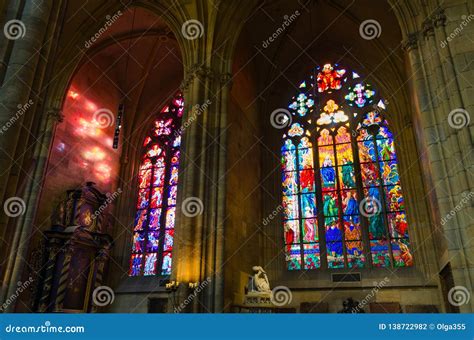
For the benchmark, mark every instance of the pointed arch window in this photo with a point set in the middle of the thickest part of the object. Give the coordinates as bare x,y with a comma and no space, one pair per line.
342,197
153,231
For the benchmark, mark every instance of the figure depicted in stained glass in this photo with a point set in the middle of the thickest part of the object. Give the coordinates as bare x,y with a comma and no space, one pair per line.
328,173
333,234
351,205
307,180
140,220
405,254
386,151
166,268
396,198
153,242
348,174
325,138
150,264
289,234
376,227
305,158
309,232
289,183
330,209
135,265
137,242
369,174
329,78
288,161
400,225
290,207
351,231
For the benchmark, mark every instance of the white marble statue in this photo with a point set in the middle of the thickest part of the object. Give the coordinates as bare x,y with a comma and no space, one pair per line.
260,280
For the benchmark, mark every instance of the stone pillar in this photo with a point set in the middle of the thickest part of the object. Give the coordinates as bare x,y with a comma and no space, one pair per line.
199,249
19,78
21,86
12,11
438,93
20,240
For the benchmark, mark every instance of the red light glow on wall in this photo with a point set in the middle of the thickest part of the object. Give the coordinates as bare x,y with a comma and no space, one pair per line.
82,148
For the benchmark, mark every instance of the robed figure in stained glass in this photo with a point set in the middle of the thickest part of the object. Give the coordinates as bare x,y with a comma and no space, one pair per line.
328,173
348,174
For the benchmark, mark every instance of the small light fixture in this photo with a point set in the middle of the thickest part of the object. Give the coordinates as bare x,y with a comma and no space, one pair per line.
193,285
172,286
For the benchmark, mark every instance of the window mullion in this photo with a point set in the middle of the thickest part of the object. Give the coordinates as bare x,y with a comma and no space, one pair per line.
319,202
382,199
363,220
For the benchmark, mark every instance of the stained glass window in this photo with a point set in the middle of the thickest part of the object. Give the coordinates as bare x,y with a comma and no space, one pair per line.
343,205
153,231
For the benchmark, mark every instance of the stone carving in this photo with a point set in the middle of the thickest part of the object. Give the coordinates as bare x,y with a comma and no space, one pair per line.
260,280
258,292
411,42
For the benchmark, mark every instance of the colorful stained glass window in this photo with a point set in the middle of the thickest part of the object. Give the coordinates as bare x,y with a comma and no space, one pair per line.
299,205
153,231
343,205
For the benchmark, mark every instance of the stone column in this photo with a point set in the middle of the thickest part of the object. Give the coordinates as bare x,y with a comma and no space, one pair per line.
438,94
22,232
21,86
19,78
199,249
12,11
